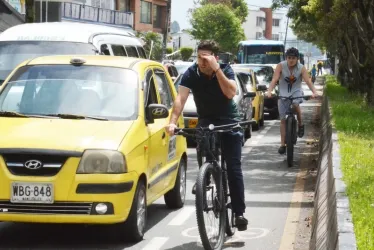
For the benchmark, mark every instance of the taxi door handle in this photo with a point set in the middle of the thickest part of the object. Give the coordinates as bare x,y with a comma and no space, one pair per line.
163,135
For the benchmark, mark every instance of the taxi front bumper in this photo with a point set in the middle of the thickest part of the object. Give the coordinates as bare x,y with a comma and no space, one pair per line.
76,198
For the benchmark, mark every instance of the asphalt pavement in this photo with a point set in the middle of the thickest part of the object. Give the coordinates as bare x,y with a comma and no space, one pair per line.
279,204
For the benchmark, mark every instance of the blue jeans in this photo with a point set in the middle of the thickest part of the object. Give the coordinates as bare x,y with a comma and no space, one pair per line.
232,152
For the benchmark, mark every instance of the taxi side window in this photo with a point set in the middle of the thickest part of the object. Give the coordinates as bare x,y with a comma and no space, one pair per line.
164,88
150,94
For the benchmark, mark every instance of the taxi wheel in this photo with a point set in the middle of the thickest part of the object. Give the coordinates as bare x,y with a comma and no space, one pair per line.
134,227
175,198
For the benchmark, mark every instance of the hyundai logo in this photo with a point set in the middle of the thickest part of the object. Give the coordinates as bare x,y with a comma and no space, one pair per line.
158,111
33,164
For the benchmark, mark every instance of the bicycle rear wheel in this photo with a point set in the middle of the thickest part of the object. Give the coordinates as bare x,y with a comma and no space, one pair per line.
289,139
212,236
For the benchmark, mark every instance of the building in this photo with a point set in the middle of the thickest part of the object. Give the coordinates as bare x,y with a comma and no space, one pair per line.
264,23
140,15
9,16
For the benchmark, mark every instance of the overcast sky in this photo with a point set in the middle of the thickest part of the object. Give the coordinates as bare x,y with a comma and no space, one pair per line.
179,10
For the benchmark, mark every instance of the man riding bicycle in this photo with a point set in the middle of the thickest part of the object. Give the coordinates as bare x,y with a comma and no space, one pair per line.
290,74
213,87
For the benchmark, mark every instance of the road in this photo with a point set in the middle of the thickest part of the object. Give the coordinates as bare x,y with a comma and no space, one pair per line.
279,204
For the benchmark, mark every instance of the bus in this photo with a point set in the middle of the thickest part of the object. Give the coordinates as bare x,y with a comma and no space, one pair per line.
261,52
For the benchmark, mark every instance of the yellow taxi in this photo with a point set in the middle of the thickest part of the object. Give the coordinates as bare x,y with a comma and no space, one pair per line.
252,84
83,141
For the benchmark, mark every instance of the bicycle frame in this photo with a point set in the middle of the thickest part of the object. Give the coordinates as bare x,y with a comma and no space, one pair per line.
207,139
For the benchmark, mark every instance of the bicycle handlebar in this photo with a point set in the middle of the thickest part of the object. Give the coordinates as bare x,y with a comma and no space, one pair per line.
211,127
290,97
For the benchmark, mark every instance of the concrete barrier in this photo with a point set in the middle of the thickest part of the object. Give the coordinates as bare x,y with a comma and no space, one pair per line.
332,227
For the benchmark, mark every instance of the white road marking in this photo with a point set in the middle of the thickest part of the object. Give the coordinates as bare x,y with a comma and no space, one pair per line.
272,123
182,216
263,132
156,243
259,137
254,142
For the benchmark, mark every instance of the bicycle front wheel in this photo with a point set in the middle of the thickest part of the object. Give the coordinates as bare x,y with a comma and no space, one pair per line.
210,207
289,139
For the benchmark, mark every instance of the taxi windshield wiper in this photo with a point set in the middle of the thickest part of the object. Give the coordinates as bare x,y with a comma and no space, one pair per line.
11,114
71,116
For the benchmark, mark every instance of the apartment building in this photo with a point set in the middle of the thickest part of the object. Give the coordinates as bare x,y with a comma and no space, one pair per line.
140,15
265,23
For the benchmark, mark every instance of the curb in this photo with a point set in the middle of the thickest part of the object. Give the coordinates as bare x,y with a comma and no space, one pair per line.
332,227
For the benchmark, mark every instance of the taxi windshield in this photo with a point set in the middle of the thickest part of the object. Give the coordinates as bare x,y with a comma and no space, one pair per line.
96,91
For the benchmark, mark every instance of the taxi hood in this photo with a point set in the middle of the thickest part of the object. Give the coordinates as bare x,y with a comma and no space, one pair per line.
62,134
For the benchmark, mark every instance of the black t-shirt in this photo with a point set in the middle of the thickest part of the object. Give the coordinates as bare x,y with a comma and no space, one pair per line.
210,101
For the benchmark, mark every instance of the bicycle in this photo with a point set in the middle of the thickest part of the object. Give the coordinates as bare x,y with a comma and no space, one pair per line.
291,131
209,139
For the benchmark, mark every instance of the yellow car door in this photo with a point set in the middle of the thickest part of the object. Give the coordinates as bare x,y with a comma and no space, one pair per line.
170,154
157,140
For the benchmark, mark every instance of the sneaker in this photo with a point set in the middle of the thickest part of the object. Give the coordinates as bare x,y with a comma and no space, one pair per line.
282,150
241,223
301,131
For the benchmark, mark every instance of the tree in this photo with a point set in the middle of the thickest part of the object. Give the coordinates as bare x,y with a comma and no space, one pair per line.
217,22
148,37
345,29
169,50
240,7
186,53
30,11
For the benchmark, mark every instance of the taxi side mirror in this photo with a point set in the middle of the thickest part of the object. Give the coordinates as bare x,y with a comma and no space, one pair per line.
250,95
262,87
157,111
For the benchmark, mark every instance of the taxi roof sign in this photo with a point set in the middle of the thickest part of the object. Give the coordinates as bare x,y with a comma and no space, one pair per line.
77,61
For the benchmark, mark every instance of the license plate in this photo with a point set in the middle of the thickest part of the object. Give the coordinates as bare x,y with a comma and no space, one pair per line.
192,123
26,192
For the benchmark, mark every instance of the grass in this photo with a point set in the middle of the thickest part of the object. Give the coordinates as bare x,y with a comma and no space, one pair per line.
354,122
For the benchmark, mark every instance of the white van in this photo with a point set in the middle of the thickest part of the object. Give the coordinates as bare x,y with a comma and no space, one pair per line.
27,41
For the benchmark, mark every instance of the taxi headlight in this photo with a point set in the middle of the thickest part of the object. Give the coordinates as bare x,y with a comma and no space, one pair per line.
102,162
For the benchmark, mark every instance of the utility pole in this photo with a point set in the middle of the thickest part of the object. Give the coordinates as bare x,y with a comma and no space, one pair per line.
166,32
30,11
285,37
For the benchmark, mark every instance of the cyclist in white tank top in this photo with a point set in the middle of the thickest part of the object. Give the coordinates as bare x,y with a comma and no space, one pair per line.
290,74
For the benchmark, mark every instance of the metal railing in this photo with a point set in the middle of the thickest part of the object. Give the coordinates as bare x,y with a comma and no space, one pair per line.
93,14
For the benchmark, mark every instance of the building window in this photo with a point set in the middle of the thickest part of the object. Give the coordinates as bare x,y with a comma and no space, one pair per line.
104,4
275,37
276,22
260,21
157,16
145,12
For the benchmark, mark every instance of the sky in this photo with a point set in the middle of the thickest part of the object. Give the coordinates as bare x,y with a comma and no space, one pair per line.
179,10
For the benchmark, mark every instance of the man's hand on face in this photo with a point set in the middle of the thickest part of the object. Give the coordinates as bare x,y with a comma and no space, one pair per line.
211,60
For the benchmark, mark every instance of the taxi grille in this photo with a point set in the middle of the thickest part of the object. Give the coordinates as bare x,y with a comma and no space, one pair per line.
52,162
79,208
